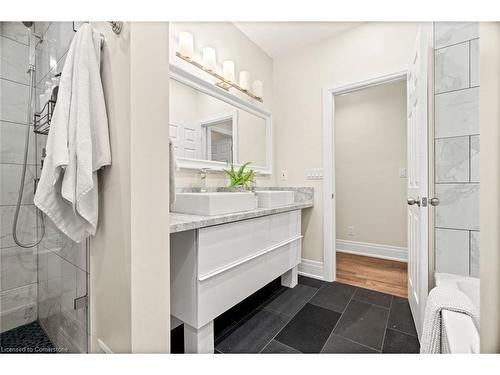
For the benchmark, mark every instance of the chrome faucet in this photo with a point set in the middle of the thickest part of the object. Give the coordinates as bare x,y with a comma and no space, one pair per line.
203,179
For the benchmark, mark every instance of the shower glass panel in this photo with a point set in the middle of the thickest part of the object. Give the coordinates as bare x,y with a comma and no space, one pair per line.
42,286
456,148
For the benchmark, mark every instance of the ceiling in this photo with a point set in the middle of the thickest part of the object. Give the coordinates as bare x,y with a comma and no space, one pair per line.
278,38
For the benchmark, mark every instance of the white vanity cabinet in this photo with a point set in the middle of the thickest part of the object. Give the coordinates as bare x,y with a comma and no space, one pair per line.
214,268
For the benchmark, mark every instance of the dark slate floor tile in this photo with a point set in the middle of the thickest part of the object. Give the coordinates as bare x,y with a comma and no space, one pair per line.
364,323
28,338
291,300
338,344
371,296
253,334
400,317
223,324
277,347
309,329
247,307
177,340
309,281
333,296
399,342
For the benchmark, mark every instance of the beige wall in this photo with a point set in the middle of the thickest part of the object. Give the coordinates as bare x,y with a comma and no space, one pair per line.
230,44
150,240
129,308
110,310
490,186
299,77
370,148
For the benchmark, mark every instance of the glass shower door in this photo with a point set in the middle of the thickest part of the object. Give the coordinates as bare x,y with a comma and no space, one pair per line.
62,263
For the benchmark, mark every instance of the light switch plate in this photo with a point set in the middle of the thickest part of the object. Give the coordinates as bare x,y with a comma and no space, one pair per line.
284,175
402,172
314,173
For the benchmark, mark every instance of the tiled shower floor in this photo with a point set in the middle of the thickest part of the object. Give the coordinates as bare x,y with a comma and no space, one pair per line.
29,338
314,317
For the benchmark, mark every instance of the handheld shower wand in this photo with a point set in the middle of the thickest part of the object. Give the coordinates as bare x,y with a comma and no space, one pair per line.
29,118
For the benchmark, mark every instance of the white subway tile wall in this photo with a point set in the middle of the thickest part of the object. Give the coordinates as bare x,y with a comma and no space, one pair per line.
39,283
456,149
457,113
452,68
452,251
18,266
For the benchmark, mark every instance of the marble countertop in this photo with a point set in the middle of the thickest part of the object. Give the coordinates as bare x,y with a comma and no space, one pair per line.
183,222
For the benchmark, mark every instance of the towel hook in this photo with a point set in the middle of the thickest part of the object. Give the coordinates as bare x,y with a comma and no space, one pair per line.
116,26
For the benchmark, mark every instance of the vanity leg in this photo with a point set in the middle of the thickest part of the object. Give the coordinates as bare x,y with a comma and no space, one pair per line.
290,278
199,340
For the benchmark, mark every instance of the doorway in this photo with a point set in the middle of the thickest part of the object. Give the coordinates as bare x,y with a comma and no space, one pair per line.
417,172
371,187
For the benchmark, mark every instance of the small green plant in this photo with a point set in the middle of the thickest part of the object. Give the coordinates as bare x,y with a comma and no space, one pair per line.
240,177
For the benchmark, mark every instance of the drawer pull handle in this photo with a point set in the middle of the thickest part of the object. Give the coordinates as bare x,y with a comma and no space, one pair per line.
244,260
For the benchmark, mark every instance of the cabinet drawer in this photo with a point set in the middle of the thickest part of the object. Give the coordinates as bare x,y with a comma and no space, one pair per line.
224,246
223,290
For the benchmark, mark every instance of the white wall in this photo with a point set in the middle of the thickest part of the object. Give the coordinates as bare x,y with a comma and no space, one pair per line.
130,279
230,44
370,148
150,239
299,77
490,186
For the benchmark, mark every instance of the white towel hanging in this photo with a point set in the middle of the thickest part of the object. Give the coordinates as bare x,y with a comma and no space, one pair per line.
78,141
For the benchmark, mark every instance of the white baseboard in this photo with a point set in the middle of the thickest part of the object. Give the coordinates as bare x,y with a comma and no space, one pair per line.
397,253
311,268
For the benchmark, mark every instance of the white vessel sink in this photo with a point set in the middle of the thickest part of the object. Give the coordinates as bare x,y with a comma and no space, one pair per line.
216,203
274,198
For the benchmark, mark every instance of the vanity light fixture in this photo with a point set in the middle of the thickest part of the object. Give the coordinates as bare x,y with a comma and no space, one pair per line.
227,79
209,60
228,70
258,88
186,44
245,80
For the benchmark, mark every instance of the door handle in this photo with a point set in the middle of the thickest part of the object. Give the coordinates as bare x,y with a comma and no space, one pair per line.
434,201
413,201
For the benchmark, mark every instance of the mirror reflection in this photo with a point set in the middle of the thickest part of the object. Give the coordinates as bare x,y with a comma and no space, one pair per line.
205,128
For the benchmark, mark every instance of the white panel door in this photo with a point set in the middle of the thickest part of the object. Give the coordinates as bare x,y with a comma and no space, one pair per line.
186,140
418,179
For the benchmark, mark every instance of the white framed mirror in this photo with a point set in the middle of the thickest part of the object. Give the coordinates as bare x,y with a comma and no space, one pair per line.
211,128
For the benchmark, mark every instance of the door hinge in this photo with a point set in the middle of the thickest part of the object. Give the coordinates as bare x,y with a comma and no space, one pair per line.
80,302
333,195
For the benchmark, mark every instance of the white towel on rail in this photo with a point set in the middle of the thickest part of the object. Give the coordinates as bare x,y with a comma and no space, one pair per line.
78,141
443,298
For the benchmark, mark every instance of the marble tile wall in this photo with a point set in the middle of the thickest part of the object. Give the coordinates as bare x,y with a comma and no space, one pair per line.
456,100
62,263
18,266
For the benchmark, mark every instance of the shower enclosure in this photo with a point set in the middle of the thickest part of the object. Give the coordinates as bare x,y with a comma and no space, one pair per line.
44,275
456,148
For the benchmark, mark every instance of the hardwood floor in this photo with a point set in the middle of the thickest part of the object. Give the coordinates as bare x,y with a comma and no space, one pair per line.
382,275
